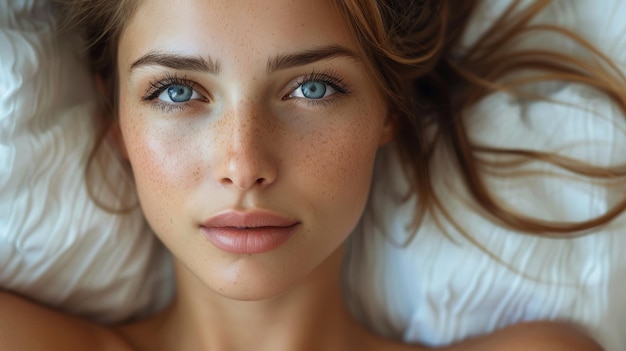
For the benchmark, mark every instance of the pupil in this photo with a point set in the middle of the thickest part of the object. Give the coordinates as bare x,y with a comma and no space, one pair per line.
179,93
314,90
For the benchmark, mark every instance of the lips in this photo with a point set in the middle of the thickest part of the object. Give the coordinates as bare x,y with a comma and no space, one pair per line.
249,232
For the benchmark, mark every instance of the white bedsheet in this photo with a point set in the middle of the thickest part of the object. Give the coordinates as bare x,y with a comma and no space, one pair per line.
56,245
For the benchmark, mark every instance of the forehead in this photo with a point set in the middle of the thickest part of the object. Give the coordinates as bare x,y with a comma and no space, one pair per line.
228,28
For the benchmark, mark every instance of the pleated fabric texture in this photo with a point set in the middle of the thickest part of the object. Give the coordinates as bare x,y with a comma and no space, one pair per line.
56,245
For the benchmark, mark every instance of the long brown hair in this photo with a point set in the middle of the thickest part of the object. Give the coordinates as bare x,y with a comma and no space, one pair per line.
409,49
409,44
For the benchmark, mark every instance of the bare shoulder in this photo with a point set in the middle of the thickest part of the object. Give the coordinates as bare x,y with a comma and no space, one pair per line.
536,336
25,325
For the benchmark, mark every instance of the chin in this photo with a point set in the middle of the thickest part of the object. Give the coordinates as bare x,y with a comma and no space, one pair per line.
249,280
250,294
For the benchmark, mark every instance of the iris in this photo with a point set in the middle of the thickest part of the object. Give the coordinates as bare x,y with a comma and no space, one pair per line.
313,90
179,93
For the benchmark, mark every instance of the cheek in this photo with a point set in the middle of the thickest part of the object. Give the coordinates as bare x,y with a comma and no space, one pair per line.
162,166
339,169
342,157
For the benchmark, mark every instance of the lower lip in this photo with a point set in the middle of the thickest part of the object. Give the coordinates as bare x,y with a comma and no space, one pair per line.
249,240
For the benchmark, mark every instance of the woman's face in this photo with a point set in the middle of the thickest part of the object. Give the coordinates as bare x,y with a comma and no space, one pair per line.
251,128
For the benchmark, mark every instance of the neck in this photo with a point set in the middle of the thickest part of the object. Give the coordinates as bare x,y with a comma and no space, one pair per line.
310,316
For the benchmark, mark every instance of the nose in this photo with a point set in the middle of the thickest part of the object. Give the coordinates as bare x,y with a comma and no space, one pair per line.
246,157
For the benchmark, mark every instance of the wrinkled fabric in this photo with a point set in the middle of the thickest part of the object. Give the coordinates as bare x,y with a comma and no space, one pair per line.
56,245
444,287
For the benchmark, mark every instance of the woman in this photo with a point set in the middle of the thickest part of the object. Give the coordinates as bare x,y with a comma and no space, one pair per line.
251,129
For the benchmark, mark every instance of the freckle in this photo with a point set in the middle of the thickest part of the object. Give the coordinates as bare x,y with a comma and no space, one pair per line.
196,174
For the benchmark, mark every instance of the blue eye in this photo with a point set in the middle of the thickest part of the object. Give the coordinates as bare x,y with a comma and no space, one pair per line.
313,89
178,93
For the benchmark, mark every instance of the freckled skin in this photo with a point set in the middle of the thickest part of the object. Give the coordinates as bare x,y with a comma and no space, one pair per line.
192,164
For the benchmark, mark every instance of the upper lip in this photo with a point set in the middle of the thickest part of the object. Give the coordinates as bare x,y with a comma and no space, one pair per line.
248,219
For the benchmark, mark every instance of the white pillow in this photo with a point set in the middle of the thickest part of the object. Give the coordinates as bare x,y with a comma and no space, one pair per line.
56,245
436,291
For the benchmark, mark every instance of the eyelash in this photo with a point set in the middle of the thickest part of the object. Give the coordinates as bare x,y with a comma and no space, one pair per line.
157,87
326,77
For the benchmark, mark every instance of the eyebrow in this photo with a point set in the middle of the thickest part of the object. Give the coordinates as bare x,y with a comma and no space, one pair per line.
276,63
309,56
178,62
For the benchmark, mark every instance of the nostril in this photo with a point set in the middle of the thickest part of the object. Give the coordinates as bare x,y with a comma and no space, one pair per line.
242,184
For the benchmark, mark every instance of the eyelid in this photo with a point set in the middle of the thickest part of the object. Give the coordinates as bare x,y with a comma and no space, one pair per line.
157,86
